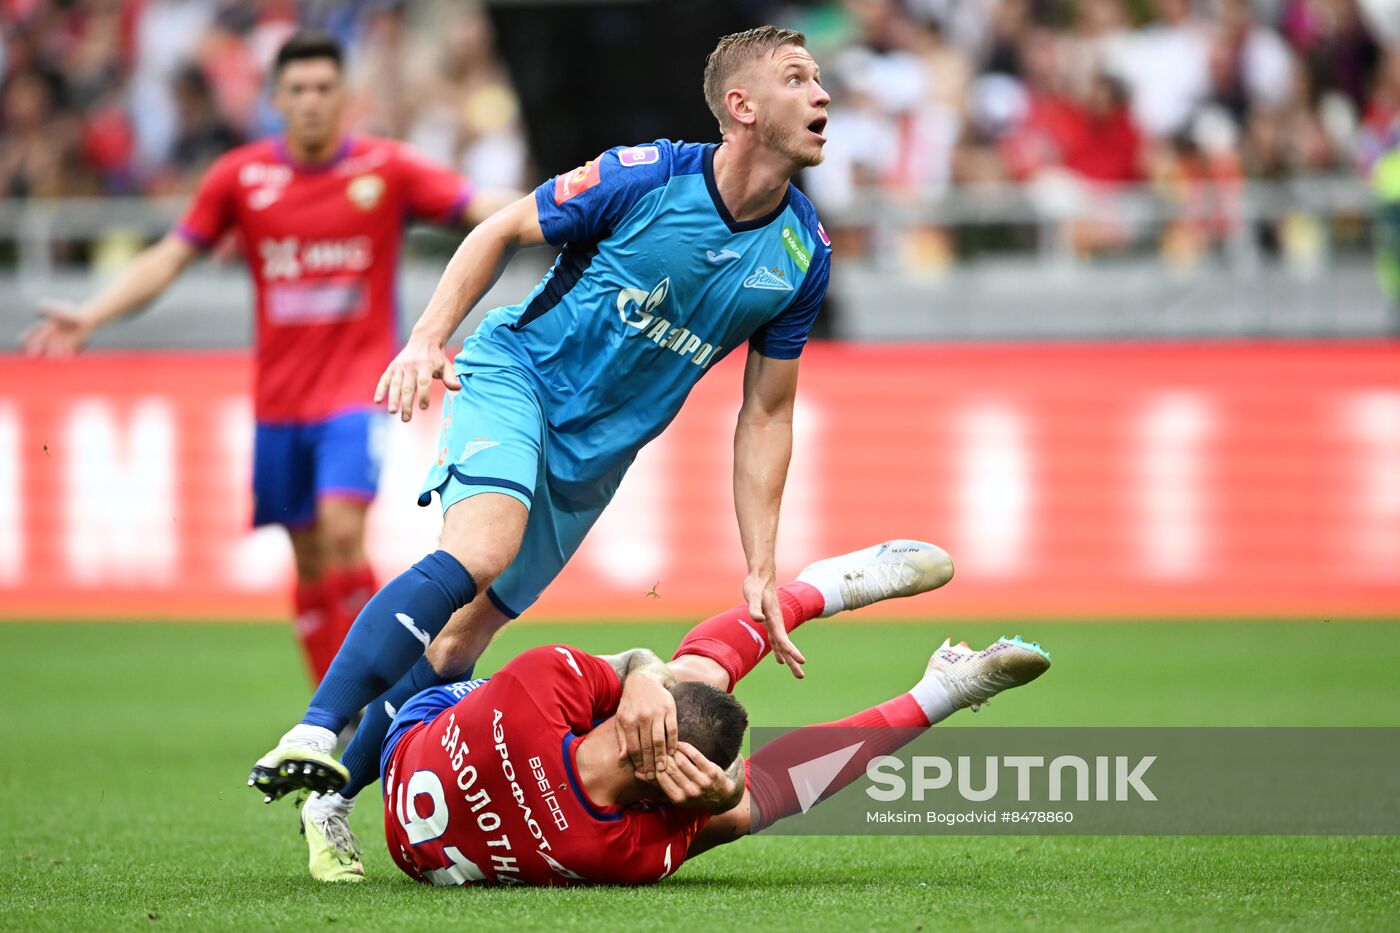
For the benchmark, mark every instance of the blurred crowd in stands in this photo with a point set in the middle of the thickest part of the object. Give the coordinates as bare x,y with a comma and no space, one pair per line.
1184,96
965,91
139,96
1074,98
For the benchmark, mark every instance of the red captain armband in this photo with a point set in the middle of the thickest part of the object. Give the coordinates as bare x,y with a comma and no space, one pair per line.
578,181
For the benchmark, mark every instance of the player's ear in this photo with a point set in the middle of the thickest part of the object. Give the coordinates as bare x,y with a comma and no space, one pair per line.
735,771
739,106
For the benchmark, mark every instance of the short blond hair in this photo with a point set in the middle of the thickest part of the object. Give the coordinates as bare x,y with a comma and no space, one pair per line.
736,50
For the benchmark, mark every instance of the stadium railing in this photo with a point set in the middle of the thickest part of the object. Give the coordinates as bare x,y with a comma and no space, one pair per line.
1053,258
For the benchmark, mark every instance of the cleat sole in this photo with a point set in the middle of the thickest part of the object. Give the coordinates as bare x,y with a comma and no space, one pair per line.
299,769
1019,642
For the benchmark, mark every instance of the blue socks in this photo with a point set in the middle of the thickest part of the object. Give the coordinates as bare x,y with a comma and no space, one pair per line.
362,755
390,634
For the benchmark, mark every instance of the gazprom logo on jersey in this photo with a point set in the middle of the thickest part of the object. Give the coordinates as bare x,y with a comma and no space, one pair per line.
637,308
638,155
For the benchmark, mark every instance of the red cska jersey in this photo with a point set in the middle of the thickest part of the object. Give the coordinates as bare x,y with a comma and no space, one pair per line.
322,244
488,792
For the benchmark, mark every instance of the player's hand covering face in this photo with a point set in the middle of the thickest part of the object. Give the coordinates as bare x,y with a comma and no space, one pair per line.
646,726
790,104
695,781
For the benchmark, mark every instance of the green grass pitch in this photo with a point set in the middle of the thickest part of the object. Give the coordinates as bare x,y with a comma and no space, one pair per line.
125,749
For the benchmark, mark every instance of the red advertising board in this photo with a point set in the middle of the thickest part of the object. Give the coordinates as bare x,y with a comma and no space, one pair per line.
1080,481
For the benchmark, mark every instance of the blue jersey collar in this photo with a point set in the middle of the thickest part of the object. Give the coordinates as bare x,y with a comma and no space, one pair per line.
605,814
737,226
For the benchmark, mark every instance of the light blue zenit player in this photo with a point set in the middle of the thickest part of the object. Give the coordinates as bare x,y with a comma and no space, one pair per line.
656,283
672,255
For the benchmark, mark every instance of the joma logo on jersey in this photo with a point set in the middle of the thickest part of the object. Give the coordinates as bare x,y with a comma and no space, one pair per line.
266,181
637,308
288,258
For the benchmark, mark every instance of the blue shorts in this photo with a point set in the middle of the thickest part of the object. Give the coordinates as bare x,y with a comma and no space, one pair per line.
295,465
494,439
422,707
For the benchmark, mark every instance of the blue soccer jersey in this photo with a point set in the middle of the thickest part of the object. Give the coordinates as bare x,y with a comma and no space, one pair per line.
655,282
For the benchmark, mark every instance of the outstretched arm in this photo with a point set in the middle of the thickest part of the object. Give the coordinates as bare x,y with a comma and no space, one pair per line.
64,329
762,449
724,648
474,268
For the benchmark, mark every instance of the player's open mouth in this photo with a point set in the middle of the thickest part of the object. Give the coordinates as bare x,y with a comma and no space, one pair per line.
816,127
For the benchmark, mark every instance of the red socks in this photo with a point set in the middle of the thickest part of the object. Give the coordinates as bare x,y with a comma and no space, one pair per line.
325,610
314,627
903,712
877,731
736,643
347,591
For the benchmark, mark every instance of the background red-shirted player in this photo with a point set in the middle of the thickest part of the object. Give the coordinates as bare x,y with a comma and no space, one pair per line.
321,217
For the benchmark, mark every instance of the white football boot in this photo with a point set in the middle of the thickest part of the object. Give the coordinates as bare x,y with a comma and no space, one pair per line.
304,759
333,850
886,571
971,678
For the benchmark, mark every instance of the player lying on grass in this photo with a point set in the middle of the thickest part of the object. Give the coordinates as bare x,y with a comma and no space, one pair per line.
566,769
303,758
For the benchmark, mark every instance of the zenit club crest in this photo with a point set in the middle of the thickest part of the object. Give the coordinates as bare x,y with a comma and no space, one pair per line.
771,281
